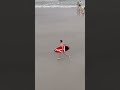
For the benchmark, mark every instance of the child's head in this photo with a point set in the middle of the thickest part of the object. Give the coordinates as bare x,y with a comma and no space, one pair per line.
61,41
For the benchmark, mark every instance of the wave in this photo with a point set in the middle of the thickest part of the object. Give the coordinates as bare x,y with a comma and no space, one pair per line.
56,6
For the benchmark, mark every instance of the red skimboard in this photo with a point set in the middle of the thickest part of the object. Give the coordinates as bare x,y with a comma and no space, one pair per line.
61,49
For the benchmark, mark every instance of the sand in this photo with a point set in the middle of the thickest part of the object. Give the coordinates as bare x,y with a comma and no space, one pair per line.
51,25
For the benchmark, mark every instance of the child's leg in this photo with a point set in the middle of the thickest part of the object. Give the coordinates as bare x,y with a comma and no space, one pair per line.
66,54
59,54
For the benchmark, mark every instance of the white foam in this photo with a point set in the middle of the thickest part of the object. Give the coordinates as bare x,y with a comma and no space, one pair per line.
55,6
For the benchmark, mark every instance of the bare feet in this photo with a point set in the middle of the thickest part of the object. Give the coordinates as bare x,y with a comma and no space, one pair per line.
58,58
69,56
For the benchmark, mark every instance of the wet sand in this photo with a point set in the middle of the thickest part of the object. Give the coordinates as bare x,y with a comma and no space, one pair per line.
51,25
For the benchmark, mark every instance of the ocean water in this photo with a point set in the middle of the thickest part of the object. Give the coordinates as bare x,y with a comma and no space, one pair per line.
57,3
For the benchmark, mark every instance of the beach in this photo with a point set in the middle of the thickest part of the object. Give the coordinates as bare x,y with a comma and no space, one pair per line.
52,25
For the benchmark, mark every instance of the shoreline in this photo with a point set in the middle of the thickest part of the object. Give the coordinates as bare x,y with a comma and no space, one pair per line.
57,6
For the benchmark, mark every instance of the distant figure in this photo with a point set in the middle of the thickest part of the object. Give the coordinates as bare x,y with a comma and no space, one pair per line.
83,11
79,4
62,49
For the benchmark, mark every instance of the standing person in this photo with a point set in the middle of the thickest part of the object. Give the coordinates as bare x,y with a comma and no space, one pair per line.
79,7
62,49
83,11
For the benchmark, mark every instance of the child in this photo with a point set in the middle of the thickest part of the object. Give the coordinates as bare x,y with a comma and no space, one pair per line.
62,49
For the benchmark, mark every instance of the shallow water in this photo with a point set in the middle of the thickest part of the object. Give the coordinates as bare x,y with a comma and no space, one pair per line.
58,2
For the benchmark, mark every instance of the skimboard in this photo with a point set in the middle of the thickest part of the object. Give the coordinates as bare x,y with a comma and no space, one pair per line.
66,48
